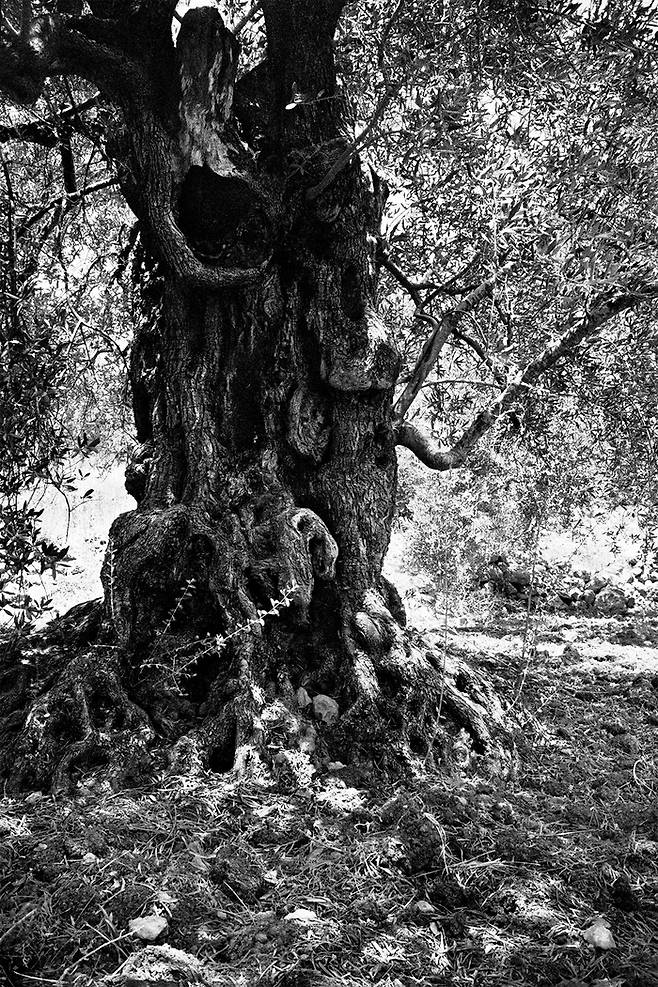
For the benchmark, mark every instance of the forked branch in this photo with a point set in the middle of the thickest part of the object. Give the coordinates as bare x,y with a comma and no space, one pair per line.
442,329
436,457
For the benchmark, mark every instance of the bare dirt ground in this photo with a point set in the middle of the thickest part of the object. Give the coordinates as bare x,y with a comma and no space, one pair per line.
461,877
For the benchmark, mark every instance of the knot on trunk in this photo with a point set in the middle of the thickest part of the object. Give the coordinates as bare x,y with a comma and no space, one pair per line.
308,431
364,359
156,575
137,471
373,626
296,548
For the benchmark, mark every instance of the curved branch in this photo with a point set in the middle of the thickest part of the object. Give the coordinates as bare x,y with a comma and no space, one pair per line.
426,448
186,265
438,458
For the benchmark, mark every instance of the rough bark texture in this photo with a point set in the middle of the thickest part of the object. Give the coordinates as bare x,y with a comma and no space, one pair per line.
263,383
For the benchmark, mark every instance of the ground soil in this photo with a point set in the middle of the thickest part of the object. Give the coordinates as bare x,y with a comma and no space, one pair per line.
463,877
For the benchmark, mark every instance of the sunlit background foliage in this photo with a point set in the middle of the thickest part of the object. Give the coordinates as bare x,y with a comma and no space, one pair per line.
515,138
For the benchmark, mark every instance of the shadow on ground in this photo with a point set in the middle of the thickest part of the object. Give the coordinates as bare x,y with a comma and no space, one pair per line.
460,879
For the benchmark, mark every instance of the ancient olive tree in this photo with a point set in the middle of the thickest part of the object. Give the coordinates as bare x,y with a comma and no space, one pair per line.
249,578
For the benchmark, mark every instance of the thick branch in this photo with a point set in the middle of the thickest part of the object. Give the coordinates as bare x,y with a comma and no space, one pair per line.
426,448
432,455
54,45
300,53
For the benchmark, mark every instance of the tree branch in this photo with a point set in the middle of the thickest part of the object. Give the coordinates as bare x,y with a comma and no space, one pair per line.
90,47
250,14
67,201
477,348
364,138
438,458
441,329
414,289
44,132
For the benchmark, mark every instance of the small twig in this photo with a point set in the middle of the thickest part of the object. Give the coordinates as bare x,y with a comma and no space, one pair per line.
188,588
218,641
364,138
18,922
96,949
251,13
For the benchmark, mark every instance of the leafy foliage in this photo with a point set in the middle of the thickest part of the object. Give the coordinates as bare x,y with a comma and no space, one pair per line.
515,139
63,342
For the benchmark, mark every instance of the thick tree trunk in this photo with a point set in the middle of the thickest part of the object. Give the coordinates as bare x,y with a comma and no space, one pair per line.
249,579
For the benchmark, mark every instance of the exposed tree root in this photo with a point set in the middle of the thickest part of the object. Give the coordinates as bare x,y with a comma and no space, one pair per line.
70,708
183,662
65,725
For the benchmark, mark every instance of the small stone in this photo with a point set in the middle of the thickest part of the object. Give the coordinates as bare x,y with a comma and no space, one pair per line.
89,859
149,927
307,740
301,915
162,966
612,601
325,708
599,935
336,766
424,907
303,698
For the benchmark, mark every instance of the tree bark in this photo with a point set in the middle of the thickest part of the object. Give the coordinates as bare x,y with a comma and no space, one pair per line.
249,578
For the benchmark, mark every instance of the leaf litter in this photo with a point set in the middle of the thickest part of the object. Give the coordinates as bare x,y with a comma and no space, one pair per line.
459,878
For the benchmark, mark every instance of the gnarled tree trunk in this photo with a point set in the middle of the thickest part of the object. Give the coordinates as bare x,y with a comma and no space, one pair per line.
249,578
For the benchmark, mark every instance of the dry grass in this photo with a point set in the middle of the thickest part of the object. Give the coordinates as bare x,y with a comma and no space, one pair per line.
463,879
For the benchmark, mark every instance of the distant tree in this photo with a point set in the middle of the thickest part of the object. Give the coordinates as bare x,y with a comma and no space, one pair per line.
264,365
